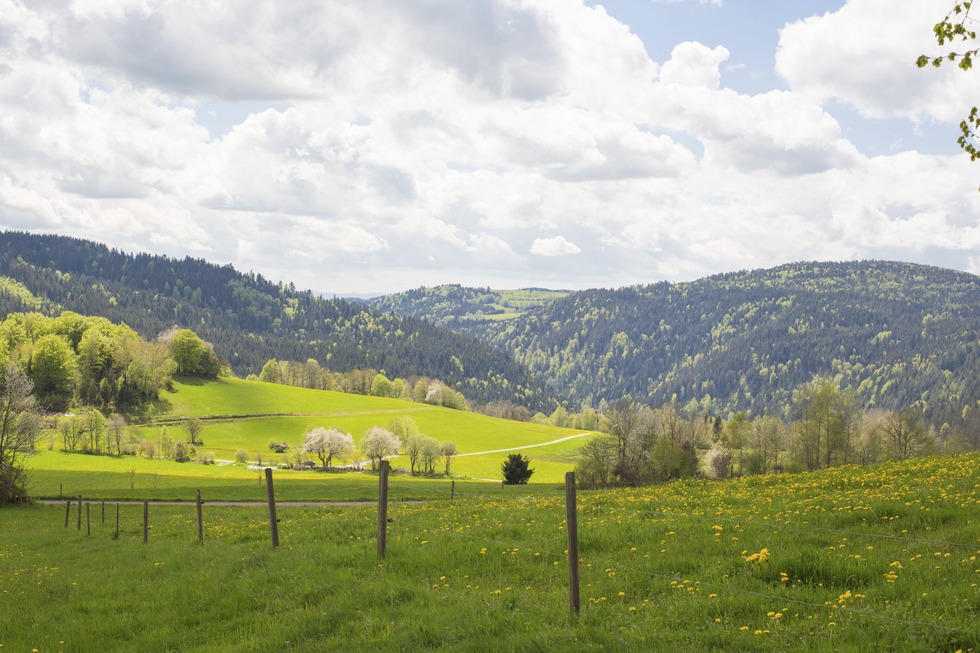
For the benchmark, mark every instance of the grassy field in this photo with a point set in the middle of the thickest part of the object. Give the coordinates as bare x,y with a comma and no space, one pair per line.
248,415
872,559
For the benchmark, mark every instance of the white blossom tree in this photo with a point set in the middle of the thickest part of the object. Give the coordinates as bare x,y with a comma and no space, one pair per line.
379,442
327,444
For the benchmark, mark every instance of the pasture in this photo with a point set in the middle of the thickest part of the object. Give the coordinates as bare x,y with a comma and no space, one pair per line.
238,414
879,558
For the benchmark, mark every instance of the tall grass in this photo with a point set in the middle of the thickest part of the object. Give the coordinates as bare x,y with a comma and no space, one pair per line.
880,558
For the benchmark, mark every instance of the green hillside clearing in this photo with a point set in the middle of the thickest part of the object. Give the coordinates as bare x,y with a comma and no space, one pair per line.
249,415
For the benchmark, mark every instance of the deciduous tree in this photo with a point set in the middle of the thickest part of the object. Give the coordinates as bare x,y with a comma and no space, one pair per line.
327,444
951,29
20,423
378,443
53,371
907,434
448,450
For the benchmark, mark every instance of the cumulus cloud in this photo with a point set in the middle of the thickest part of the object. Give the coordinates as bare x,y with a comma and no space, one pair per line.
556,246
863,55
381,144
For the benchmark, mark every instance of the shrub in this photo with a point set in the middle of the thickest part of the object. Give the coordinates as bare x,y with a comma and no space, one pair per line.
241,455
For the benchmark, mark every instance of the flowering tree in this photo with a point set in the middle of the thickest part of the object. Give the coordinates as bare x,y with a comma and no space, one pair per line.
328,444
379,442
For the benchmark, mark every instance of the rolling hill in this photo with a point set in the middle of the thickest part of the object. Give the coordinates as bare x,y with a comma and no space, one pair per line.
898,334
248,319
238,414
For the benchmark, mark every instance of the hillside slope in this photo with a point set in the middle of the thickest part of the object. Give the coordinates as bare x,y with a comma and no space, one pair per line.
898,334
466,310
247,318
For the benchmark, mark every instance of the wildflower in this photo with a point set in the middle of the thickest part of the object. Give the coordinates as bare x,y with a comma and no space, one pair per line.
758,558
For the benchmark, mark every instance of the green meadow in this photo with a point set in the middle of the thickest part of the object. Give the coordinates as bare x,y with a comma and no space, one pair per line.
239,414
848,559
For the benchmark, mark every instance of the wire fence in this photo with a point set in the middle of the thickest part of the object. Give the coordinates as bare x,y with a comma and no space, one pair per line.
547,550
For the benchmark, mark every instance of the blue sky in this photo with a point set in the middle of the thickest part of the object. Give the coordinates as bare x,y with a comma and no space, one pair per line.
368,146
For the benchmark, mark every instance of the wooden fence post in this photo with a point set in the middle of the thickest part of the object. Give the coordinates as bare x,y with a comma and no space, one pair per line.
67,511
79,527
273,522
88,520
146,521
383,510
116,536
103,513
571,528
200,520
452,491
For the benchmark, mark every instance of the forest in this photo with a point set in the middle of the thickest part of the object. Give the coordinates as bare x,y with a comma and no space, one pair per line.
248,319
900,335
897,335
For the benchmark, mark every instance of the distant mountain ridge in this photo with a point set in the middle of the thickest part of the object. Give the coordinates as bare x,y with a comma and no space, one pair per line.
899,334
248,318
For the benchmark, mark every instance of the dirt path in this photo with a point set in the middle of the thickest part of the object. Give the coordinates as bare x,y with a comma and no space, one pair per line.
526,446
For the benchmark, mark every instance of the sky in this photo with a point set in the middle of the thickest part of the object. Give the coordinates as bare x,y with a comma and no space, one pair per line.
372,146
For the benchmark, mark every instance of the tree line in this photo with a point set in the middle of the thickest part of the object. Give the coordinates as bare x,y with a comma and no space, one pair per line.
421,389
643,445
76,360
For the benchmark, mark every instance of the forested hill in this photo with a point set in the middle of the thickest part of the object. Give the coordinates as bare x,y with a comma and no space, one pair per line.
463,309
896,333
247,318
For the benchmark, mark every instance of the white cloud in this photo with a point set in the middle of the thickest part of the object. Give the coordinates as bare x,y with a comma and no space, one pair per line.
864,54
556,246
399,141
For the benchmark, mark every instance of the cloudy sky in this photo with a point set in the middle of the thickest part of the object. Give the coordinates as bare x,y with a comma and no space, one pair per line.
367,146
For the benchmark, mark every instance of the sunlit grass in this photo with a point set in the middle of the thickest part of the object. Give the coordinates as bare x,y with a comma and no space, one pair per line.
249,415
877,558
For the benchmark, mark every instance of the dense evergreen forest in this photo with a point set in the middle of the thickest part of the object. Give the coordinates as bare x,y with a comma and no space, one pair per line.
247,318
898,334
